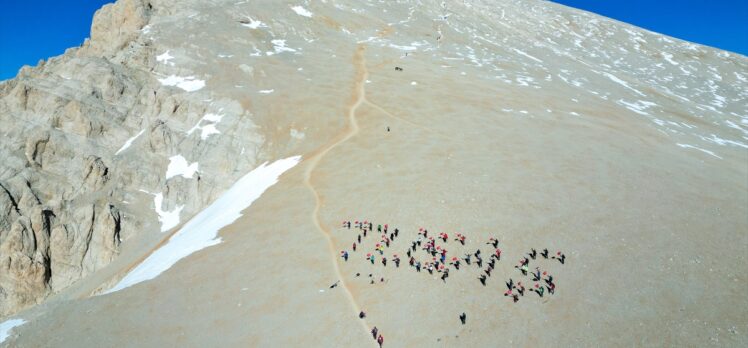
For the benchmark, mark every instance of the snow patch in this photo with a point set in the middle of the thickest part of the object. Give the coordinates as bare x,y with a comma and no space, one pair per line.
740,77
403,48
178,166
669,58
639,106
723,142
128,142
165,58
188,83
7,326
266,91
253,24
527,55
168,219
202,230
301,11
207,129
622,83
279,46
698,148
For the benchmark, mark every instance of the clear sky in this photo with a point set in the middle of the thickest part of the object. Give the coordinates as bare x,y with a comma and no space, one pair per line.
38,29
717,23
33,30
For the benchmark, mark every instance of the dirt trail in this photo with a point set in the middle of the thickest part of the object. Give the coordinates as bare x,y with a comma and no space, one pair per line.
381,109
351,130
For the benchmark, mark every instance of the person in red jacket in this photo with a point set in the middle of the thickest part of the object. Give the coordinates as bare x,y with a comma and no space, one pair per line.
380,340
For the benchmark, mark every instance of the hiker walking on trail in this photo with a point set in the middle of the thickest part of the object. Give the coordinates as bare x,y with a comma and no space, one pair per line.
560,257
418,266
520,289
533,253
482,279
354,246
463,318
493,241
359,238
550,278
384,261
544,253
374,332
396,232
344,255
514,297
380,340
539,289
498,254
379,228
510,284
460,238
536,274
522,268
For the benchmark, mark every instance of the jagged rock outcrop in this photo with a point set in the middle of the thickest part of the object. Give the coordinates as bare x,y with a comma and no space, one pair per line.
78,178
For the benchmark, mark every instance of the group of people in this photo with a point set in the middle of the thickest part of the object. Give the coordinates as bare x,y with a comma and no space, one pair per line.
514,291
437,259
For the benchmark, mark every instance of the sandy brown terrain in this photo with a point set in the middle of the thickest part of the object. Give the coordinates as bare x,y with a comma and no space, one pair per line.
654,233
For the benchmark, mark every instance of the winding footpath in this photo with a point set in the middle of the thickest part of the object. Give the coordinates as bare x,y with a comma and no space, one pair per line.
351,130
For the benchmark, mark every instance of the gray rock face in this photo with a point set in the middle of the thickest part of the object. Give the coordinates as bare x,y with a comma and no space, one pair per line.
71,190
59,215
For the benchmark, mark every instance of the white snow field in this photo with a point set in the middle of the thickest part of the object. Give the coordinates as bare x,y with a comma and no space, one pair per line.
202,230
7,326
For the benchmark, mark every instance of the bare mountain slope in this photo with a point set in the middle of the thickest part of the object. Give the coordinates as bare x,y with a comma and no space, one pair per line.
529,121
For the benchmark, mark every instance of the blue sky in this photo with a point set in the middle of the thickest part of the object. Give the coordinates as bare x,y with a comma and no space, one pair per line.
33,30
717,23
